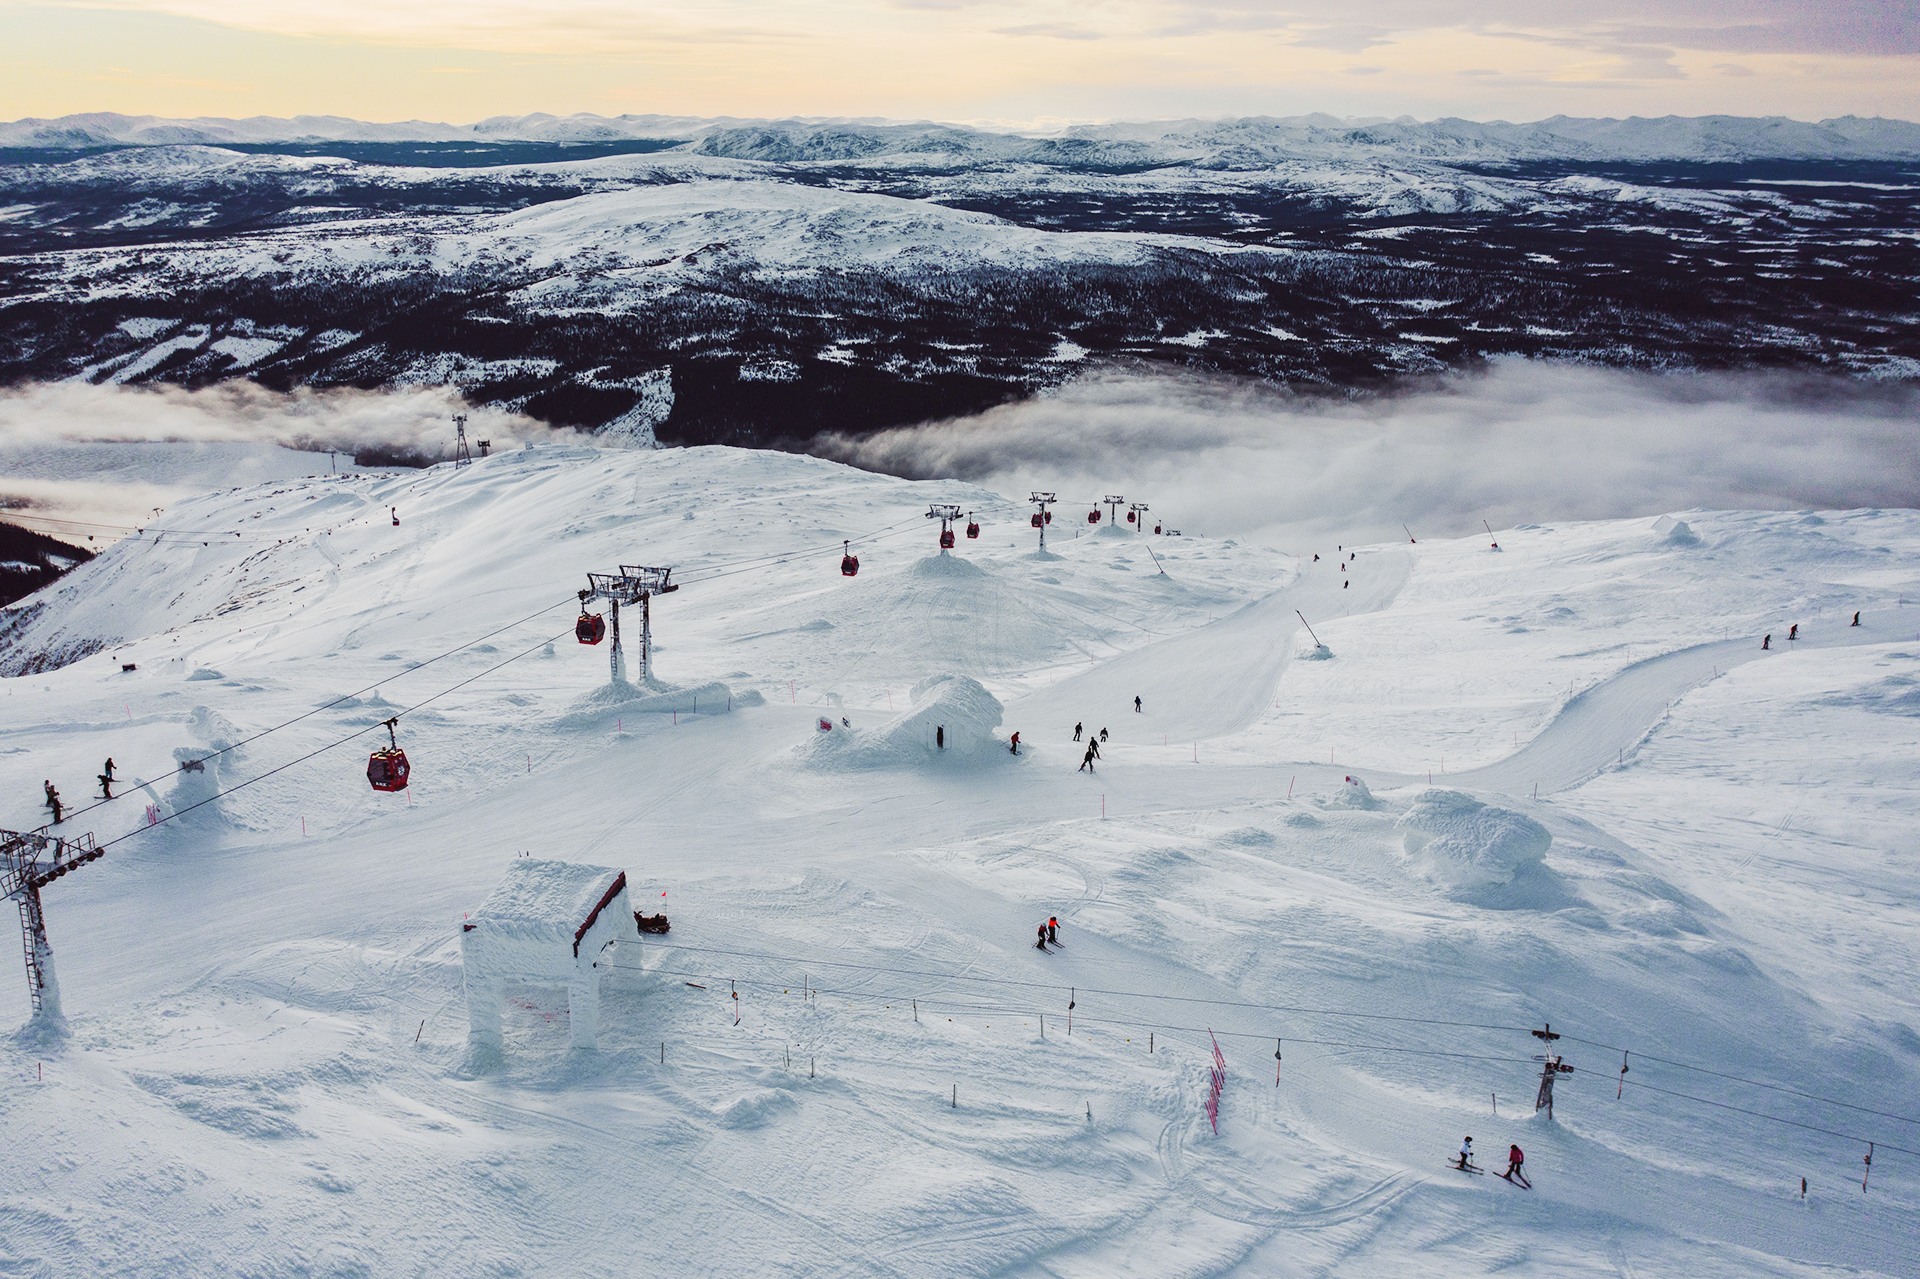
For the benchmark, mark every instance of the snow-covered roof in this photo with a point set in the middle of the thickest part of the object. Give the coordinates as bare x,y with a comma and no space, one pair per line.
546,901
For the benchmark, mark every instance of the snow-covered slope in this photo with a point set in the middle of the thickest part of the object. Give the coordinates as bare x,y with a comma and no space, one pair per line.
266,1066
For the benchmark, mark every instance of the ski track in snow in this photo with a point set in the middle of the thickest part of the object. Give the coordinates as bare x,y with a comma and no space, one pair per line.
266,1071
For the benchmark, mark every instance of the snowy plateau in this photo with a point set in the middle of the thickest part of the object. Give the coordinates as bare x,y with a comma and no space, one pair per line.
1557,782
762,282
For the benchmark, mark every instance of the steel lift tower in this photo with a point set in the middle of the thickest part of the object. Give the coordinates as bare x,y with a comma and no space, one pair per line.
29,862
633,584
1043,501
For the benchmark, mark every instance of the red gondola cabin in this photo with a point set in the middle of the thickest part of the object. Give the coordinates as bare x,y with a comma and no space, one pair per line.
590,628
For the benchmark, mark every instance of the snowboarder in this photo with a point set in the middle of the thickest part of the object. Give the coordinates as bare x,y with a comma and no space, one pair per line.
1076,732
1053,930
1014,745
1103,734
53,800
1466,1154
1856,620
1136,703
1041,944
1087,763
1766,642
1516,1157
1793,632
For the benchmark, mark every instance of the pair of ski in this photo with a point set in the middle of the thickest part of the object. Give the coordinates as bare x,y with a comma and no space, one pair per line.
1478,1171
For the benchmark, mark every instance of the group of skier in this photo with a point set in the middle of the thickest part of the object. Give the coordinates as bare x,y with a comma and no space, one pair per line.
1793,633
1093,741
1049,933
59,806
1516,1158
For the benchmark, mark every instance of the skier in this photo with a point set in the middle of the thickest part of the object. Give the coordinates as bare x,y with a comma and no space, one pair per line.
1856,620
1053,930
1087,763
396,515
1344,585
1316,559
1353,555
1093,747
940,737
1466,1155
1516,1157
106,786
1136,703
1766,642
1014,746
1041,944
1076,731
109,769
53,800
1793,632
1103,734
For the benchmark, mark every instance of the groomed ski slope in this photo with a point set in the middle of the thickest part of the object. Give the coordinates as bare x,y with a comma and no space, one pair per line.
265,1068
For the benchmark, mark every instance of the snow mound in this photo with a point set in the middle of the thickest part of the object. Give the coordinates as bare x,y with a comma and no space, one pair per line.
636,699
204,674
948,566
1318,653
1463,843
1676,532
1353,794
955,704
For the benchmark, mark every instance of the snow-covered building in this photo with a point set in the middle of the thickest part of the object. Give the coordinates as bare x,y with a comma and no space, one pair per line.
546,921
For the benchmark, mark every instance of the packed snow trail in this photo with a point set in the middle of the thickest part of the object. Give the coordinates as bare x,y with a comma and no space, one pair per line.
1607,722
1215,680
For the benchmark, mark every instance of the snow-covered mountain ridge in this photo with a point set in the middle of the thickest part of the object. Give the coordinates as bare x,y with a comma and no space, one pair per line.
266,1065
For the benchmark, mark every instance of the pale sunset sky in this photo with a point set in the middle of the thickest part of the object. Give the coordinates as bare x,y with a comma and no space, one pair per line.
968,60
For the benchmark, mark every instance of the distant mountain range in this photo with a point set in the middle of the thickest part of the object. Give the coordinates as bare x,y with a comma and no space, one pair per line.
1225,144
758,282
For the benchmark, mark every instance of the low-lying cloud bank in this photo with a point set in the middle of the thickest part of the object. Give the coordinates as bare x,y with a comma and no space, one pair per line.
74,454
410,422
1522,443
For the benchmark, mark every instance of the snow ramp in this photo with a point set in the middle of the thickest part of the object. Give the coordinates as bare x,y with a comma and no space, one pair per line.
1217,679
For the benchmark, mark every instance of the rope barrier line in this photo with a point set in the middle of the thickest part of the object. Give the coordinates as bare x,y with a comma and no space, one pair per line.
141,830
1094,990
1257,1007
213,754
941,1008
1755,1083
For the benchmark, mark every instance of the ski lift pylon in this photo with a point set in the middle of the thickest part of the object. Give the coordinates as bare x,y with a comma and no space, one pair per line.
387,770
849,562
